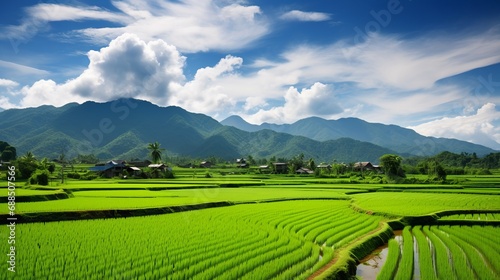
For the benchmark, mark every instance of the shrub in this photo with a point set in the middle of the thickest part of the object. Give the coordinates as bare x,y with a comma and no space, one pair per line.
40,177
483,172
73,175
169,174
88,176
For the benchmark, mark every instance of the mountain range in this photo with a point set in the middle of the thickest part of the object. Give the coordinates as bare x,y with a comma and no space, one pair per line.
121,129
401,140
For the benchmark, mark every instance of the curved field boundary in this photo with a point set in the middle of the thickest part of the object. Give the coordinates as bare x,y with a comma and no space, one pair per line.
399,222
38,197
343,264
121,213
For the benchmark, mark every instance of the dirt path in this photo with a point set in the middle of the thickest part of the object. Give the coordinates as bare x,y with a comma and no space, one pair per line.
335,258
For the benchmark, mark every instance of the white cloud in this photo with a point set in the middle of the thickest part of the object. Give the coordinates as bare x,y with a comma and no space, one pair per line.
318,100
478,128
305,16
204,94
22,69
190,25
8,83
39,16
47,92
388,61
128,67
59,12
393,79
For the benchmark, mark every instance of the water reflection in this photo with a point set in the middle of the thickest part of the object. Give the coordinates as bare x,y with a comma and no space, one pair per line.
370,266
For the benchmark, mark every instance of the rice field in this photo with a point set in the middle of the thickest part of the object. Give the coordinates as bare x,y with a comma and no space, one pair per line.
280,240
444,252
262,227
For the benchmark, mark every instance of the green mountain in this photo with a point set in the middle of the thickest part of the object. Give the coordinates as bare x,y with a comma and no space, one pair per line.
122,128
231,142
402,140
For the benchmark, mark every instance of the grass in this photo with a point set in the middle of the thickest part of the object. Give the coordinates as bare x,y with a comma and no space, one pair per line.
303,229
129,199
243,241
406,203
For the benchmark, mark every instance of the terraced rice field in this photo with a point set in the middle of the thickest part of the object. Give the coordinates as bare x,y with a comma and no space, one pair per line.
280,228
279,240
444,252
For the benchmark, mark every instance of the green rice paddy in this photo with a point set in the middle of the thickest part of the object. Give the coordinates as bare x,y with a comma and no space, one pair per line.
255,227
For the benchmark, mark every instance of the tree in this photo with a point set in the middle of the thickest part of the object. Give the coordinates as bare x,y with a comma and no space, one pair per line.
250,160
156,151
27,165
312,164
8,153
391,165
295,163
44,164
433,169
51,168
63,162
29,156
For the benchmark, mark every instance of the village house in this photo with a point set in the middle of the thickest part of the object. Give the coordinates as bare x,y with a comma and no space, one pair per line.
363,166
206,164
139,163
280,167
112,168
158,167
304,171
366,166
324,166
242,163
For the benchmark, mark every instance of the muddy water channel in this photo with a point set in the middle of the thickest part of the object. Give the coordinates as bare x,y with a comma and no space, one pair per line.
370,266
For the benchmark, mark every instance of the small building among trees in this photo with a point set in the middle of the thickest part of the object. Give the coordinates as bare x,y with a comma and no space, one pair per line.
110,169
280,167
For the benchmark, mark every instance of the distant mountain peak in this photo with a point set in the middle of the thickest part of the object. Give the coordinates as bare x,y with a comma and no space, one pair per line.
400,139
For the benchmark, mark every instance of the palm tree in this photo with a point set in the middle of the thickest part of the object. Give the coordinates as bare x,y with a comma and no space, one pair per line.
155,151
29,157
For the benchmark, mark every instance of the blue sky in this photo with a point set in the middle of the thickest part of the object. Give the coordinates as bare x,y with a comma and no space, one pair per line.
433,66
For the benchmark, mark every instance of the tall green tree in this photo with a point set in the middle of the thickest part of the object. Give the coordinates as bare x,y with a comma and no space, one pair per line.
155,151
391,165
311,164
29,156
27,164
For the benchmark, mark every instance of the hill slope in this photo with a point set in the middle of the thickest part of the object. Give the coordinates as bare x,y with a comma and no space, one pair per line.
399,139
121,129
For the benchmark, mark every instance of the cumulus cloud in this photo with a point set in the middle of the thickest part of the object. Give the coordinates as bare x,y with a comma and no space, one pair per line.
7,87
480,127
204,93
128,67
318,100
131,67
305,16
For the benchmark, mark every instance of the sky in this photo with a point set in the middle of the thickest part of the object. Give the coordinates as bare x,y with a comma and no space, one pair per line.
432,66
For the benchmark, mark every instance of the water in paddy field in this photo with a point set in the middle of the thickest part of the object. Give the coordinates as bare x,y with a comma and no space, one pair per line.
369,267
